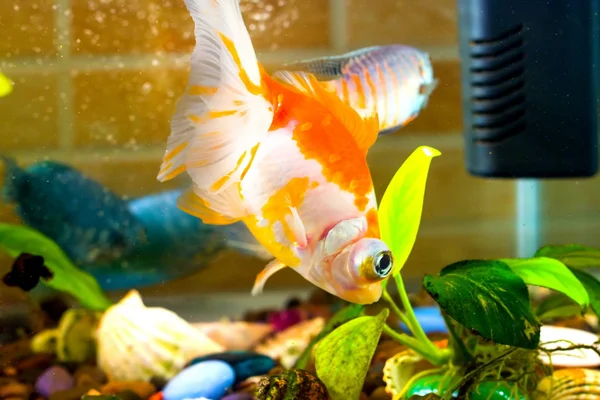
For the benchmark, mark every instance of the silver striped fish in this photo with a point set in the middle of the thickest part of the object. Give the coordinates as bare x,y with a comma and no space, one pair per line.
393,81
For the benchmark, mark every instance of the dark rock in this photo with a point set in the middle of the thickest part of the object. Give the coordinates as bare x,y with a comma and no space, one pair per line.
90,375
292,384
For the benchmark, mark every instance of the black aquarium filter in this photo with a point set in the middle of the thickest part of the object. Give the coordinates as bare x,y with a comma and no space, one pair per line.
529,71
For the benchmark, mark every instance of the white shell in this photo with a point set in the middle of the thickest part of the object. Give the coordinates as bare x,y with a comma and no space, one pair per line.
136,342
570,384
235,335
556,336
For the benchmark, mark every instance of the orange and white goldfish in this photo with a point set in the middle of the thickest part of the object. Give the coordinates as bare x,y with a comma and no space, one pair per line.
394,81
284,155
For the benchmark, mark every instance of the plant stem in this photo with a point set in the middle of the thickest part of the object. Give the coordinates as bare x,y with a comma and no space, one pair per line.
432,354
412,322
395,308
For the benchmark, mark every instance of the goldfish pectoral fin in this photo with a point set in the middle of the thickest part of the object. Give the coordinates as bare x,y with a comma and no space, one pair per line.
195,205
297,227
224,111
364,130
262,277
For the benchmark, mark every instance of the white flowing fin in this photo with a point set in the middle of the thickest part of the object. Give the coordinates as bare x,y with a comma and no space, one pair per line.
262,277
224,112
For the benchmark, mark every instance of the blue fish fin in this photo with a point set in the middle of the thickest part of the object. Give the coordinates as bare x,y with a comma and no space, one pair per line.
239,237
14,176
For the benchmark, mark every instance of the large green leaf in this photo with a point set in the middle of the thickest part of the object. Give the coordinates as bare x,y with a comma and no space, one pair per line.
6,86
342,316
572,255
549,273
17,239
557,305
487,297
343,357
592,285
402,204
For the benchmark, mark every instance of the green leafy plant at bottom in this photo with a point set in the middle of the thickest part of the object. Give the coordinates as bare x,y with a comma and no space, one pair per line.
494,331
64,275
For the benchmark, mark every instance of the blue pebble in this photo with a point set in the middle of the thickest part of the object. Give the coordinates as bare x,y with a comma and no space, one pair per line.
430,319
209,379
244,363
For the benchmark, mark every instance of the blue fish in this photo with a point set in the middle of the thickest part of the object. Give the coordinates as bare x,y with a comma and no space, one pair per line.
123,244
88,221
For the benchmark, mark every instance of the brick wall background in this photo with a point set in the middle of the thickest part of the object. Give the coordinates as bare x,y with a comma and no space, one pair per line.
96,83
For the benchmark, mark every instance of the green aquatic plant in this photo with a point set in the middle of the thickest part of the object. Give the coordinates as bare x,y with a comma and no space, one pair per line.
6,85
65,276
493,328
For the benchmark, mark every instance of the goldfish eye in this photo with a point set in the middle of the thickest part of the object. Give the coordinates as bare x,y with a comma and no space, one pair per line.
383,264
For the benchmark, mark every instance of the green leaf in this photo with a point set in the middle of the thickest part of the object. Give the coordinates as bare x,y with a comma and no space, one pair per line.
402,204
549,273
557,305
487,297
592,285
342,316
6,85
17,239
572,255
344,356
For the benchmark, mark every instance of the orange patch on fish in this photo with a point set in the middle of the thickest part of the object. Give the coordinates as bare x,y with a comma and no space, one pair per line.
250,86
279,204
328,142
222,180
372,224
197,90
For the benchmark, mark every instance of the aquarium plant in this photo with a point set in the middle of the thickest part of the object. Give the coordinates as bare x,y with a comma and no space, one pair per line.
55,269
6,85
494,331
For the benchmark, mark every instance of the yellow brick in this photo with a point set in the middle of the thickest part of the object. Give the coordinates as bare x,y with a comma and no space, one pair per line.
410,22
149,26
570,198
27,28
29,113
125,108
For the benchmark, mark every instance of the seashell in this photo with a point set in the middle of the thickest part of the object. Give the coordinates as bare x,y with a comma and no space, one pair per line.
561,337
570,384
138,343
286,346
235,335
399,369
292,384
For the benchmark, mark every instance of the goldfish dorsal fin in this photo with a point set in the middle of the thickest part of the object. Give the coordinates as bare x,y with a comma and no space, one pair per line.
363,130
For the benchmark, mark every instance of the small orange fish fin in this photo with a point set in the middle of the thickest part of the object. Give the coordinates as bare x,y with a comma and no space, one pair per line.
262,277
363,130
209,213
225,110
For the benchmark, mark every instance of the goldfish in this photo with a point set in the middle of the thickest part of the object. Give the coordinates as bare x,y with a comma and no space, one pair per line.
282,154
123,243
393,81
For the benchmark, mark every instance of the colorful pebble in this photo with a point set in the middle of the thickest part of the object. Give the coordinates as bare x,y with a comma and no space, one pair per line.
244,363
209,379
54,379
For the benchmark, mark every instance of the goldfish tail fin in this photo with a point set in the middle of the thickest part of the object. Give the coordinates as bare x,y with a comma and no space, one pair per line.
239,238
224,112
14,177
